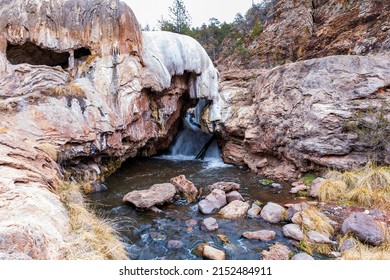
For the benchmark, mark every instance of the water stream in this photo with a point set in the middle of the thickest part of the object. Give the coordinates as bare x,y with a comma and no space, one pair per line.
147,234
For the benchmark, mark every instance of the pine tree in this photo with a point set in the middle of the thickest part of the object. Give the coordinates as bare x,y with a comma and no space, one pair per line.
180,19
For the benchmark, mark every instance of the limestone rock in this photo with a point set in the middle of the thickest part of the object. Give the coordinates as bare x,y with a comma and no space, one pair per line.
225,186
209,224
233,195
293,231
213,202
263,235
234,209
254,211
277,251
272,212
185,187
302,257
364,227
213,253
156,195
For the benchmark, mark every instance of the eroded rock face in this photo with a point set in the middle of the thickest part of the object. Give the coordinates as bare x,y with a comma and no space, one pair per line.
296,117
85,106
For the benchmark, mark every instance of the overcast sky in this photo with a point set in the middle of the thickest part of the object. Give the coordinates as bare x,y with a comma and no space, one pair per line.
150,11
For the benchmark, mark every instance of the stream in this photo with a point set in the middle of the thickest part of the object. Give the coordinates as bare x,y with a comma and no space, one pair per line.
146,234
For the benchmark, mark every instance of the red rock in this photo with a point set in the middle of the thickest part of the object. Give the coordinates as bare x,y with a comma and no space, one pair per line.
185,187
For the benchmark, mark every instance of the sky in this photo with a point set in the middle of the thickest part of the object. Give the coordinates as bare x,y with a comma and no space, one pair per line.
150,11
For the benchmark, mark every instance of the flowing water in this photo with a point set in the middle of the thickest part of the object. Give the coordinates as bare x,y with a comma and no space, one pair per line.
147,234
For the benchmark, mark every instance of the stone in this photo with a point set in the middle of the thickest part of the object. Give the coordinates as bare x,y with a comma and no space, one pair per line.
263,235
213,202
293,231
295,208
302,257
94,187
302,219
347,245
157,194
254,211
175,244
272,212
317,237
234,209
233,195
276,186
334,255
315,186
298,188
364,228
209,224
191,223
277,251
211,253
225,186
185,187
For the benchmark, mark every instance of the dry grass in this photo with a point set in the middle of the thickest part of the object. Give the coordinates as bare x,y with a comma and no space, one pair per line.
92,237
332,190
367,186
319,220
49,149
67,90
366,252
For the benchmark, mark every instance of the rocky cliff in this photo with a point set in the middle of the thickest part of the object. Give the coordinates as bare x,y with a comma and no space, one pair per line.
78,95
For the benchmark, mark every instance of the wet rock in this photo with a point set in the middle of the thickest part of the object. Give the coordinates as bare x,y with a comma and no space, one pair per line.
295,208
156,210
233,195
213,202
191,223
225,186
317,237
94,187
272,212
156,195
234,209
334,255
254,211
293,231
347,245
213,253
185,187
302,257
276,186
299,187
175,244
277,251
364,227
263,235
315,186
209,224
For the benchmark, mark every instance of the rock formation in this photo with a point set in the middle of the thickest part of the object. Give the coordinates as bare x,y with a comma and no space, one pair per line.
78,95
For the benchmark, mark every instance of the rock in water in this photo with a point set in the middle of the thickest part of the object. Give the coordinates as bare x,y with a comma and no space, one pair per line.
156,195
234,209
233,195
185,187
302,257
293,231
263,235
209,224
272,212
364,227
277,251
225,186
254,211
213,253
213,202
175,244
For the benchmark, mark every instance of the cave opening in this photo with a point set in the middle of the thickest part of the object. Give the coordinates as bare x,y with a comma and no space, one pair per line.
35,55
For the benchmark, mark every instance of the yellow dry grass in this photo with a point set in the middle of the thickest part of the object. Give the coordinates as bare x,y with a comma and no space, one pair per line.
366,252
331,190
319,221
49,149
91,237
68,90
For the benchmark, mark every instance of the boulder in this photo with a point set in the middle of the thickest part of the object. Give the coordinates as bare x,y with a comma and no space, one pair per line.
347,245
298,188
156,195
272,212
315,186
94,187
293,231
185,187
175,244
209,224
234,209
254,211
302,257
294,208
277,251
213,202
317,237
301,218
211,253
233,195
263,235
364,227
225,186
